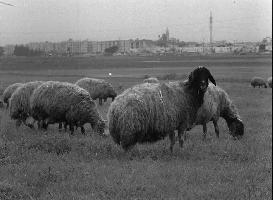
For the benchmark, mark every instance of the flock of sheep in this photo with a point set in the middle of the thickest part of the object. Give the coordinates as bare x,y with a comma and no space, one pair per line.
58,102
146,112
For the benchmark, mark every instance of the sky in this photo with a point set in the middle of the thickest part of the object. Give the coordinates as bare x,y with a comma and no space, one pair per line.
187,20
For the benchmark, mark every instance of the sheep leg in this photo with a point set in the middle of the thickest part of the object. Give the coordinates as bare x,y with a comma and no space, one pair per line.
100,101
172,140
39,124
65,126
82,130
216,127
60,126
44,125
71,127
181,135
204,131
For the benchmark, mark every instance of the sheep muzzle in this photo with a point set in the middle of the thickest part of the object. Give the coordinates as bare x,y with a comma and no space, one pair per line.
236,129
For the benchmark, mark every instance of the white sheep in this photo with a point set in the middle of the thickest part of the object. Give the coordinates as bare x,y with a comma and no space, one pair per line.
9,91
218,104
97,88
20,103
269,81
151,80
61,102
258,82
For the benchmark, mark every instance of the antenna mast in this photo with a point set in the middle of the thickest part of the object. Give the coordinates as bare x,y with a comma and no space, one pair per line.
210,29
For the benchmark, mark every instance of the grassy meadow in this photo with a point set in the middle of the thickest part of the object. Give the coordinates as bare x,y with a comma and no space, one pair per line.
53,165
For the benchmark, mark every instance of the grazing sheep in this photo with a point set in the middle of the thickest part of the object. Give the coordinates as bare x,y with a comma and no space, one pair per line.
97,88
20,102
269,81
218,104
151,80
150,112
259,82
60,102
8,92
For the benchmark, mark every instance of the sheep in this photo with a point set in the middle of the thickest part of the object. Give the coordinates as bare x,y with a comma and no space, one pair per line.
150,112
259,82
97,88
218,104
8,92
19,108
269,81
62,102
151,80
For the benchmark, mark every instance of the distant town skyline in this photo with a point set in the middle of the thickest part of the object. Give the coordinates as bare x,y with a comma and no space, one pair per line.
100,20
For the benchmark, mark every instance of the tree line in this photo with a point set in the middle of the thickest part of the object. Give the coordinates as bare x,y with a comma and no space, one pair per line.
21,50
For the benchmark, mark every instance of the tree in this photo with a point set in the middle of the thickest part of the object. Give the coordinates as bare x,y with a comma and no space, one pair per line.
111,50
25,51
182,44
1,51
262,47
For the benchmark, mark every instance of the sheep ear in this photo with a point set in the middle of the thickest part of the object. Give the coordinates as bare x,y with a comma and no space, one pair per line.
212,80
191,78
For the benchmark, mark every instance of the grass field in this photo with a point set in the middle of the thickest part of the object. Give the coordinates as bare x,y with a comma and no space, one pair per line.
53,165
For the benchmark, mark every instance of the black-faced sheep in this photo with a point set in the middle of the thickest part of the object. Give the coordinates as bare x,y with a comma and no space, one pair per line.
218,104
20,102
150,112
151,80
258,82
269,81
60,102
97,88
8,92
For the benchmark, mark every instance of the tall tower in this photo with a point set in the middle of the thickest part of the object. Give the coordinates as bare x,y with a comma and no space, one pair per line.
210,29
167,34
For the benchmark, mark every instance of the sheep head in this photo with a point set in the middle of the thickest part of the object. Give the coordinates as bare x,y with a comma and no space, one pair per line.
236,128
113,94
198,80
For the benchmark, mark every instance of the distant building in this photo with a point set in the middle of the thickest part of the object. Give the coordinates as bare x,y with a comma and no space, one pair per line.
41,46
221,43
164,45
267,41
8,50
100,46
77,47
60,48
124,46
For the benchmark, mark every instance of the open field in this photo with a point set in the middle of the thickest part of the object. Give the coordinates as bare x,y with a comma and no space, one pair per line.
53,165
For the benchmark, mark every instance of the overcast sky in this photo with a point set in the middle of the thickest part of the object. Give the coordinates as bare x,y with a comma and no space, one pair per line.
187,20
